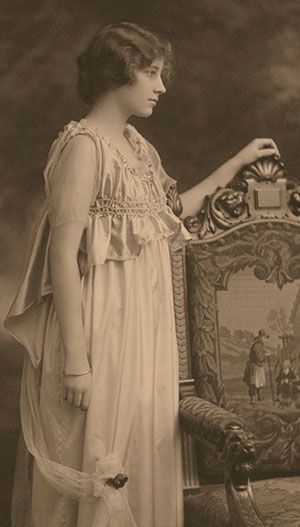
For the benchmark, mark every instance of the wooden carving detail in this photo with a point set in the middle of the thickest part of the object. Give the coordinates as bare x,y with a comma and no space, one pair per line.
294,202
207,421
203,330
261,190
180,310
240,455
277,441
226,208
174,201
269,168
225,432
239,508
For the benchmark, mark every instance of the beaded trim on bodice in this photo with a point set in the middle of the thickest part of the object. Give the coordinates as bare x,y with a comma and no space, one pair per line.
112,207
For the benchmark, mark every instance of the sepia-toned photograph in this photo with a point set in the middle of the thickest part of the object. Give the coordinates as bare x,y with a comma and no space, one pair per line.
150,263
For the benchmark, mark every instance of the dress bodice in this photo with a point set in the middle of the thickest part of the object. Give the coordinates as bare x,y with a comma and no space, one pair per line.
128,208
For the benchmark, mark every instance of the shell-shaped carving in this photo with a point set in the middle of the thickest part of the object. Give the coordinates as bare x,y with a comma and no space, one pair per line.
269,168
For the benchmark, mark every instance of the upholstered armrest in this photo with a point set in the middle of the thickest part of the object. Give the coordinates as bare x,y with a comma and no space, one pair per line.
226,431
207,421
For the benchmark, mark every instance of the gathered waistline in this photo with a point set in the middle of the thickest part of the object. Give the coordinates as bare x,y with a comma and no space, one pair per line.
114,207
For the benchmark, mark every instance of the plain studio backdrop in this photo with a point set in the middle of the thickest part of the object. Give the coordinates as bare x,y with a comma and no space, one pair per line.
237,77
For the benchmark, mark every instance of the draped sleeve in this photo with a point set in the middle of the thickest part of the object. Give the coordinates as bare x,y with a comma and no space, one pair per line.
72,183
71,178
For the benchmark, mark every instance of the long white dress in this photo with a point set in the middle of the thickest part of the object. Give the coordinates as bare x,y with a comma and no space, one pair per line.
127,309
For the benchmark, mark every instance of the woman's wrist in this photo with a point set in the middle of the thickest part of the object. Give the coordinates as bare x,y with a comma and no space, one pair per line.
237,163
75,365
77,373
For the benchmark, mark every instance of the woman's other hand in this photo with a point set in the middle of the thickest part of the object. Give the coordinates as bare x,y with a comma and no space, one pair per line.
77,389
255,150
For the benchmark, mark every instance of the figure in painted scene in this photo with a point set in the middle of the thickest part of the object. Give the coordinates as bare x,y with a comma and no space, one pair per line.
286,382
254,375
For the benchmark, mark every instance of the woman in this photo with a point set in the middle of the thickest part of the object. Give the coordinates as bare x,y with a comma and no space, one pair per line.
95,312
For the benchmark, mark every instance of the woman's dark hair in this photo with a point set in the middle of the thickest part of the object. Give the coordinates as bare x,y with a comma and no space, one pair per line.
113,56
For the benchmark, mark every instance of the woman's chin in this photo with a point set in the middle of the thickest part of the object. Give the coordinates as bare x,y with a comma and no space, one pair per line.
144,113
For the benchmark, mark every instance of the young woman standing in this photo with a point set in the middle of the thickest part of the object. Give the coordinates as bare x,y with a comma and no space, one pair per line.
95,312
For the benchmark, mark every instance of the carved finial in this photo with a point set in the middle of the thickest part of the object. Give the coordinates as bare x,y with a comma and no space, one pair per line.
269,168
239,455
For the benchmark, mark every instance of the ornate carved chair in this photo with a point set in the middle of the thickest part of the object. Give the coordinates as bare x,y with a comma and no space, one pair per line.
235,283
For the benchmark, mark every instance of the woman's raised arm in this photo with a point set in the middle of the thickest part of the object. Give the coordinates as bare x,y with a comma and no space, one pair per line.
192,199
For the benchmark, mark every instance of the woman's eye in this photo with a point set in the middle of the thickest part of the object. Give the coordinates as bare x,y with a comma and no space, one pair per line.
151,73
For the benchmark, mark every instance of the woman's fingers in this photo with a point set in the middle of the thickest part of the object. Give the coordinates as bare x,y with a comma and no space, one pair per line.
85,401
267,152
76,390
70,396
258,148
77,399
267,144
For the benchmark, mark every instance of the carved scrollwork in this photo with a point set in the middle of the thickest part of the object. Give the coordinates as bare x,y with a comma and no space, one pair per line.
224,209
202,315
179,297
174,201
261,190
275,260
269,249
277,441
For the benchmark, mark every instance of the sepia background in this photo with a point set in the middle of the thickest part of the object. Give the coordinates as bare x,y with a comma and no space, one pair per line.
237,77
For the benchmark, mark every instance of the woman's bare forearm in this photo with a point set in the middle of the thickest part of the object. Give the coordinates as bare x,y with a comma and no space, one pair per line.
192,199
67,302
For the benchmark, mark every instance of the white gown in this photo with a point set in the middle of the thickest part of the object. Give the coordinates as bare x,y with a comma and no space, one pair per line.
129,326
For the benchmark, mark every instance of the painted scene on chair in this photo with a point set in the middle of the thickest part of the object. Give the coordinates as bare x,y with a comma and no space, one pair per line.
259,338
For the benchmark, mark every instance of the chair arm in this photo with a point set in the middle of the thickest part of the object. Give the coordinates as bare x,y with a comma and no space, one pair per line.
225,431
207,421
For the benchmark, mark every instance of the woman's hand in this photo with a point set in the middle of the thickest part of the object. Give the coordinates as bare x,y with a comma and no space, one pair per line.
76,390
255,150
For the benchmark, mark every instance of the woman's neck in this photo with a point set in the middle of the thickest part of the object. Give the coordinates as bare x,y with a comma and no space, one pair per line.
108,116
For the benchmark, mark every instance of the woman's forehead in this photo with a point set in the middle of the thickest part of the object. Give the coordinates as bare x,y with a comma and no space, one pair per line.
158,63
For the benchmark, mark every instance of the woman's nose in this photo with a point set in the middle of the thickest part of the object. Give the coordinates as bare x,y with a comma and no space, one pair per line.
160,87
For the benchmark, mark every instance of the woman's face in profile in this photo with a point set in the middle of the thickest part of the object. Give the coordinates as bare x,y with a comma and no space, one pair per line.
141,97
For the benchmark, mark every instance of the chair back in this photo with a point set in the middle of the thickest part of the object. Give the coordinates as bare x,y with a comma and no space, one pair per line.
237,309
